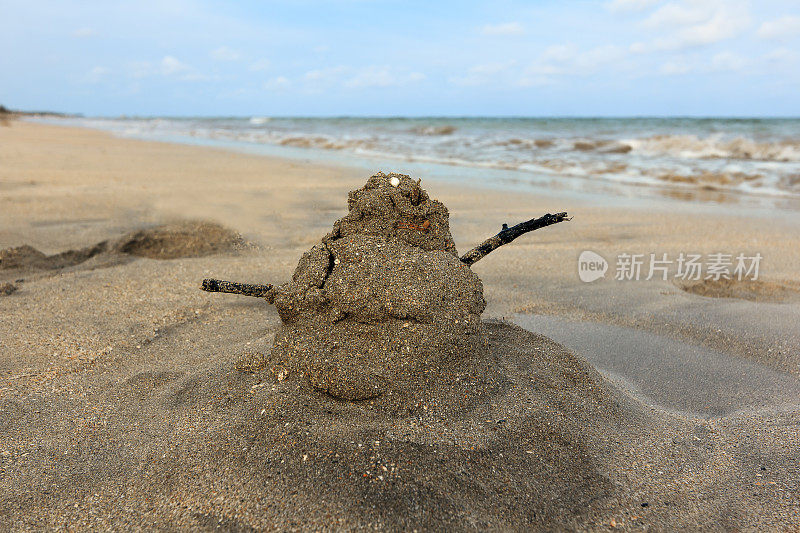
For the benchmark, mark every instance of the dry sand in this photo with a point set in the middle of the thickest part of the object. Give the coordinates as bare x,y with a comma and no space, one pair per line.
123,404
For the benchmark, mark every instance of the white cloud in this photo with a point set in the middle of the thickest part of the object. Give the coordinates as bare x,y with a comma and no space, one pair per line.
84,32
781,55
788,26
224,53
675,67
559,53
554,61
319,80
370,76
325,75
140,69
278,83
482,74
727,61
638,48
466,81
382,77
601,55
567,59
700,64
691,23
492,68
534,81
618,6
170,65
678,14
96,75
260,65
196,76
509,28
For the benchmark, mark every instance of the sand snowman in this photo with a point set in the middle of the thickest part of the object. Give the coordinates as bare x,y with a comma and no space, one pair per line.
383,308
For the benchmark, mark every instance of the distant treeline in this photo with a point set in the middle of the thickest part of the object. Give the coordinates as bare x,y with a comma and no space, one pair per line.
6,111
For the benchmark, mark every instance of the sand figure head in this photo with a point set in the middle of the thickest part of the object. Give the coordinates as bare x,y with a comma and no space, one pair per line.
396,207
382,307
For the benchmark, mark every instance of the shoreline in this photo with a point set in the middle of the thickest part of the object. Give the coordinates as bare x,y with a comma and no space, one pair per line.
643,195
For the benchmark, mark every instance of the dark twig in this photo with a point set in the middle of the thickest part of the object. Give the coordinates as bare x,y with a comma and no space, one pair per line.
217,285
507,235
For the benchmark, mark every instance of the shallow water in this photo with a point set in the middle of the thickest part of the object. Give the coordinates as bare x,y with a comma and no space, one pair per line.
669,373
751,161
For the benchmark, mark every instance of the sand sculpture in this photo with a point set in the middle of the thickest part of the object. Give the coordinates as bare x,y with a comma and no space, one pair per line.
383,306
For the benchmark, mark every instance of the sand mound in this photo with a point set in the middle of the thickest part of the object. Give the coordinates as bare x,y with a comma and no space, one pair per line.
213,446
29,258
746,289
185,239
189,443
383,307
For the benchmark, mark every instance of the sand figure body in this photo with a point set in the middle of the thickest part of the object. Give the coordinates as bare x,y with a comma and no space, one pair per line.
383,306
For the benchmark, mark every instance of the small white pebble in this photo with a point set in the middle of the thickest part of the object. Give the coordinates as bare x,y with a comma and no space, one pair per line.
395,181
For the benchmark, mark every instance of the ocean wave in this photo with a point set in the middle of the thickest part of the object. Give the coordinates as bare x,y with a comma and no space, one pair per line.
434,130
606,146
710,178
791,182
325,143
675,146
716,147
526,143
603,146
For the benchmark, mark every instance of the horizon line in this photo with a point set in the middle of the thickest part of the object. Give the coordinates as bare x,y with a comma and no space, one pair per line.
412,116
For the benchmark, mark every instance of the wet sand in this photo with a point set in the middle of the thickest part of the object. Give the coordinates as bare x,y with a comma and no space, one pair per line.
675,375
122,407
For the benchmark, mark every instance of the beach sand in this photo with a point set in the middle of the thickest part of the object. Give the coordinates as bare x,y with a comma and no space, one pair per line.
124,404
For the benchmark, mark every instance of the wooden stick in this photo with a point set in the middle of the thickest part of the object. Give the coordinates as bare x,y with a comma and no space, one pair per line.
507,235
218,285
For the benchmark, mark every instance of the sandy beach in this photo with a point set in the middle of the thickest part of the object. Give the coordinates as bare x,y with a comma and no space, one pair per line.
125,402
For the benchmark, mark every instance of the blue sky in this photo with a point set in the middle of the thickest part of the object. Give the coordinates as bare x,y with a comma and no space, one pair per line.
373,57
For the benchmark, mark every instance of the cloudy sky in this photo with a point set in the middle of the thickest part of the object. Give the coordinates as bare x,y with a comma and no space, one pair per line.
375,57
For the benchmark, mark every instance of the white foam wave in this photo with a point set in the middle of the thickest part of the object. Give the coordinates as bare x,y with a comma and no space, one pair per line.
434,130
716,147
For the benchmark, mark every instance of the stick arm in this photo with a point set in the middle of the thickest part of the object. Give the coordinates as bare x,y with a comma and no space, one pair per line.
507,235
247,289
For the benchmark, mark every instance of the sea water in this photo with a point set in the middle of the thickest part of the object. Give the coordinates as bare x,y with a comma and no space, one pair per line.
754,161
